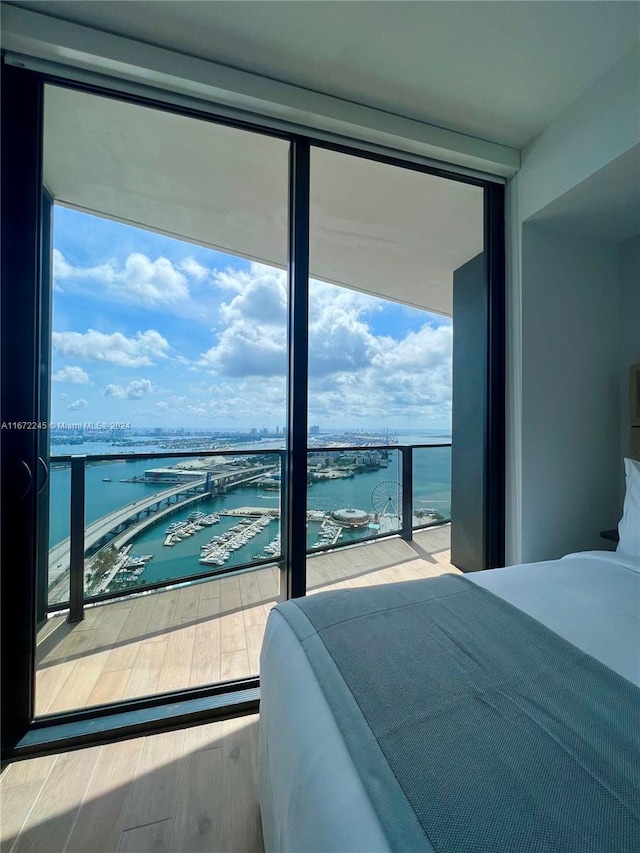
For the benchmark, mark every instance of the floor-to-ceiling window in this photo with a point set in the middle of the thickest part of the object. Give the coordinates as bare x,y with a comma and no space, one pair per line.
168,359
169,251
385,243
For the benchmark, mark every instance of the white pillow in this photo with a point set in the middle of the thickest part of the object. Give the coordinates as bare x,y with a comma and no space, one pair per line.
629,526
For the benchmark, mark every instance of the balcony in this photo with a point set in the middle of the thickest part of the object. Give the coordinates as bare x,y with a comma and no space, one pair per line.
112,635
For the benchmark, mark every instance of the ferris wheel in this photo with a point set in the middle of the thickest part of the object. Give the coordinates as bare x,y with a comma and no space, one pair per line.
386,498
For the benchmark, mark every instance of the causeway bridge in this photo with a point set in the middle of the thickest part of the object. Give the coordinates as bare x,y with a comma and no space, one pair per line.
124,523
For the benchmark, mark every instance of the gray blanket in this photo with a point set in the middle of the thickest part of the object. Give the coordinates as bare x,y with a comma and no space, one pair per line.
474,728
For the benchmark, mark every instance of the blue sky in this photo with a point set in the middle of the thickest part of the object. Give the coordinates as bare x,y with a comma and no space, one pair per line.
154,331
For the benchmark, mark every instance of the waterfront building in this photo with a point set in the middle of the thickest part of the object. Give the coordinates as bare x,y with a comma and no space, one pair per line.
350,517
171,475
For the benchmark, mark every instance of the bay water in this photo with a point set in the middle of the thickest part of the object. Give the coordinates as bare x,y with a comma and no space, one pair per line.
106,492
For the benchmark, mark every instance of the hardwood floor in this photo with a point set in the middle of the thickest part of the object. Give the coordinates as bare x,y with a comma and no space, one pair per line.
186,791
206,632
180,792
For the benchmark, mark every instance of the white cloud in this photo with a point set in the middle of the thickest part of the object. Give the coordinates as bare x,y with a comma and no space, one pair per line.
76,405
61,269
75,375
358,374
154,283
253,339
137,351
262,296
193,269
355,374
135,390
406,381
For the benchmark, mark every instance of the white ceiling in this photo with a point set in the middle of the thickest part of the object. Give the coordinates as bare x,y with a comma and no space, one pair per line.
499,71
606,205
375,228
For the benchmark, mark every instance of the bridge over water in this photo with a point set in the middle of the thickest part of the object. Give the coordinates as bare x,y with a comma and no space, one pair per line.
124,523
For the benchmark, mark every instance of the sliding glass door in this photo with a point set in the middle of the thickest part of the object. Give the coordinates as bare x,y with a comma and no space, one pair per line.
385,244
234,348
168,375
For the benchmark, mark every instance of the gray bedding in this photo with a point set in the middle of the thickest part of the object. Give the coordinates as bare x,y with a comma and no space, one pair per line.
473,727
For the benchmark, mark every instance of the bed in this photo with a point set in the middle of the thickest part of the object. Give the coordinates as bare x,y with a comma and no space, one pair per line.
545,756
314,797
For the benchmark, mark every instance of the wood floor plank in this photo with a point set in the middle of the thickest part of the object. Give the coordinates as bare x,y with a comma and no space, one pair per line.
241,827
16,802
205,660
93,616
317,575
269,583
232,634
204,736
152,838
255,635
256,614
109,798
210,589
122,655
210,630
20,772
249,590
80,684
198,822
102,812
230,598
112,624
163,614
234,665
55,810
74,645
50,681
110,687
186,612
176,671
131,634
154,794
146,670
135,625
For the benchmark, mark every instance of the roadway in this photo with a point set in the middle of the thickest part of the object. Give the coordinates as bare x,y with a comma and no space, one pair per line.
59,555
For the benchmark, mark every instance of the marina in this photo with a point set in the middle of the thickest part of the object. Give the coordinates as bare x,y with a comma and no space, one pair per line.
218,551
178,538
196,521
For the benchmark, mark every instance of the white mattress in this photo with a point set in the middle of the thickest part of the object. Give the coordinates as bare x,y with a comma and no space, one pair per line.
311,797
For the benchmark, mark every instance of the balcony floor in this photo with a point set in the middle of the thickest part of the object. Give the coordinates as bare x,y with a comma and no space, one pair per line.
186,790
205,632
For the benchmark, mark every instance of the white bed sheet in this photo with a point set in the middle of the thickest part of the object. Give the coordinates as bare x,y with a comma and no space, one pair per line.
311,797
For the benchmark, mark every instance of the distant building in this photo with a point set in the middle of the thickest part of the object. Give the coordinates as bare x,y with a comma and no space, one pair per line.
351,517
314,430
171,475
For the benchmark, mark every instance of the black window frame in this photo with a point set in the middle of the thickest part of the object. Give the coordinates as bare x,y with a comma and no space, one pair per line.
26,214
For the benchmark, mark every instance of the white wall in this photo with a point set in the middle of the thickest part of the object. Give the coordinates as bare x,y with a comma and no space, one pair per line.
571,392
566,356
600,126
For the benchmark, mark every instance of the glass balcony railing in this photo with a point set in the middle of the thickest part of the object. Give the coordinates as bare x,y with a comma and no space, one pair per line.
126,524
431,472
